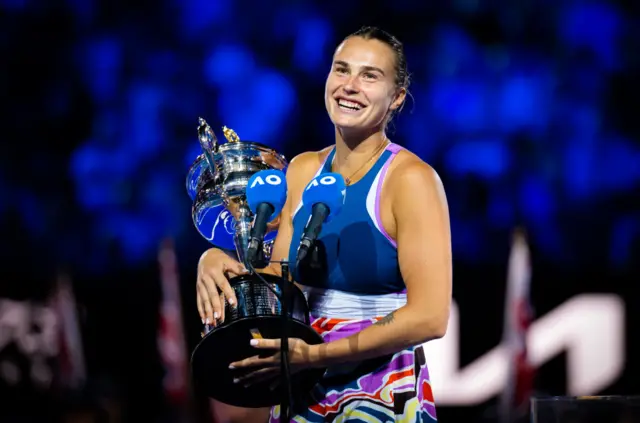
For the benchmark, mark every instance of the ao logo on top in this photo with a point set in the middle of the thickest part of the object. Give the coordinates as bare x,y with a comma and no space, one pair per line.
325,180
269,179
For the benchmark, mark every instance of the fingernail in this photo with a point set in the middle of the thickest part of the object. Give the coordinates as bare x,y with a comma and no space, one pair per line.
231,366
206,321
253,342
202,321
236,380
215,315
245,270
231,302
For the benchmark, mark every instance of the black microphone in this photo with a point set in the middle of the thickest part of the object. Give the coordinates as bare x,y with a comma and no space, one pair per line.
323,198
266,195
263,214
319,213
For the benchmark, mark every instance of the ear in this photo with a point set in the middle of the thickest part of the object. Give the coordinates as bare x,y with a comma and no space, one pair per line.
399,100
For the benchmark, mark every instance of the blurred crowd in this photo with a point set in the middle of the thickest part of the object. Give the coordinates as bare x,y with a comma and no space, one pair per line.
524,108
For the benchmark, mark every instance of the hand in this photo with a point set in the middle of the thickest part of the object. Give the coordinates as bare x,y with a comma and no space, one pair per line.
301,356
213,287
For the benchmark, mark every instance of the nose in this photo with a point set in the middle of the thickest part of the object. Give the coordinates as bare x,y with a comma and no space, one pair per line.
351,86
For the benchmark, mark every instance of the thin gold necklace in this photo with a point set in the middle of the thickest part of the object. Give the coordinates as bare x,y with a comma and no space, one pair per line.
347,180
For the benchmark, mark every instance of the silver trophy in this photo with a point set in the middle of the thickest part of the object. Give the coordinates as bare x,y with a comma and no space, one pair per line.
217,183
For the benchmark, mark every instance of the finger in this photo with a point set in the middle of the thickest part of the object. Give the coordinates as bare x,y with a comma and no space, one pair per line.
223,284
267,344
256,361
204,303
222,308
235,268
257,376
201,309
214,297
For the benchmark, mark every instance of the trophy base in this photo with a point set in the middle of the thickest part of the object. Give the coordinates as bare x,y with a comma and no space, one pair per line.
230,342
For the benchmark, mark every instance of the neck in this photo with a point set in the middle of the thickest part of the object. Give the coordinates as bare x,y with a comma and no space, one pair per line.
353,149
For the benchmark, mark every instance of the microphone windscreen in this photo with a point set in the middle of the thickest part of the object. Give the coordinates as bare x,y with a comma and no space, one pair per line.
327,188
267,186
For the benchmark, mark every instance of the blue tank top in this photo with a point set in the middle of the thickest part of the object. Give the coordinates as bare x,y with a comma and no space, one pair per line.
353,253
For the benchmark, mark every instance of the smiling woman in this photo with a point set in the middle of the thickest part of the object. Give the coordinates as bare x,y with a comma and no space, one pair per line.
367,85
378,278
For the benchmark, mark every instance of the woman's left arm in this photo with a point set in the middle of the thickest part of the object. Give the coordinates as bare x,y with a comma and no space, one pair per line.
424,253
423,237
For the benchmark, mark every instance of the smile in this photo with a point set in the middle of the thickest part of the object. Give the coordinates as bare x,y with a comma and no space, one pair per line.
349,105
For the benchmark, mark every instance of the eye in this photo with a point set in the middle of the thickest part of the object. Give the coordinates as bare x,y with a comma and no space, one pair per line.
370,76
342,70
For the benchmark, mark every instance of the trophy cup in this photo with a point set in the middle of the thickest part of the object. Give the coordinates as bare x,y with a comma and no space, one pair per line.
216,183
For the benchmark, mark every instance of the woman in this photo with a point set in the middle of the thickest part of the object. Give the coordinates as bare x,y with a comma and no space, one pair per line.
379,284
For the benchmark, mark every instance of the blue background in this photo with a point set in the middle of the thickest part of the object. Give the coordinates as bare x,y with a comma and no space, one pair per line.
527,110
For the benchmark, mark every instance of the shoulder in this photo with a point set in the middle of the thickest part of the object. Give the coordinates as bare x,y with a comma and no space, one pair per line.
407,167
306,164
409,176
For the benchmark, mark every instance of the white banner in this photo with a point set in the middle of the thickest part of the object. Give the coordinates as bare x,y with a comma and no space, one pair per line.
589,327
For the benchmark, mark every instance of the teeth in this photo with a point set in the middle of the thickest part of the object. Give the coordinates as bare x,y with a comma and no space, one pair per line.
349,104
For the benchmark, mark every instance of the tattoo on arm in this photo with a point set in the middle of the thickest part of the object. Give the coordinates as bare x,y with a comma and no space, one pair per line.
385,320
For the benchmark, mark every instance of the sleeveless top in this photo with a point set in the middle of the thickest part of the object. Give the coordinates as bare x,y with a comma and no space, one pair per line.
352,253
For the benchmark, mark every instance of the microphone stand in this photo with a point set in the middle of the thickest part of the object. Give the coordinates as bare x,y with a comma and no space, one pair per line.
285,373
286,402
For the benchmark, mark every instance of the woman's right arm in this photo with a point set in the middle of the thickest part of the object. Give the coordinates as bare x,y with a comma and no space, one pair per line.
215,263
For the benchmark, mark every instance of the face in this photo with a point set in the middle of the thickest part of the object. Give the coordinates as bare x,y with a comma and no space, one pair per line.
360,91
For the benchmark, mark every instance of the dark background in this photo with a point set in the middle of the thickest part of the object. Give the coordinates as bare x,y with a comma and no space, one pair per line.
527,109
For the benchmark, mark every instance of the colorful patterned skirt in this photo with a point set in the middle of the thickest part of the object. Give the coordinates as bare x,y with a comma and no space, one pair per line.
394,388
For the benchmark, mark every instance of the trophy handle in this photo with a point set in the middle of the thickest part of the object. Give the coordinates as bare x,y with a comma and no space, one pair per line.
208,142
